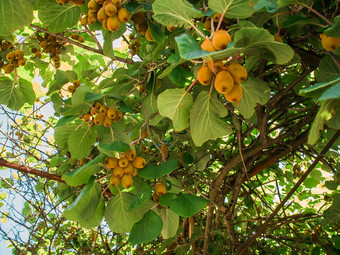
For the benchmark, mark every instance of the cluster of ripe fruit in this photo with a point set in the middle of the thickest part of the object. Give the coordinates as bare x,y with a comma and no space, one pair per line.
108,12
72,88
160,189
101,114
227,77
134,45
14,59
297,172
141,23
329,43
124,167
50,45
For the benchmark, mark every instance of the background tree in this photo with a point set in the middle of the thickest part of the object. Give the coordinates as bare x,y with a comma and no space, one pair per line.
121,149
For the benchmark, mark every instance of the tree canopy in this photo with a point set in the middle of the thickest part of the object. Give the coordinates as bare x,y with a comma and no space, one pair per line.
170,126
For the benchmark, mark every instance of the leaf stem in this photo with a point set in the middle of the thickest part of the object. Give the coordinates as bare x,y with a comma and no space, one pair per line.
221,19
197,30
192,84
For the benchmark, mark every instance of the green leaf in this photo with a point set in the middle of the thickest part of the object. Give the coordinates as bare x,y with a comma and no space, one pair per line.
188,205
204,119
269,5
331,93
254,91
158,171
78,97
232,8
259,42
328,70
150,106
318,89
118,215
142,196
59,18
174,12
14,15
170,222
310,183
61,135
109,37
334,30
82,174
157,32
332,214
27,90
85,207
80,141
166,199
146,229
110,148
190,49
11,94
176,105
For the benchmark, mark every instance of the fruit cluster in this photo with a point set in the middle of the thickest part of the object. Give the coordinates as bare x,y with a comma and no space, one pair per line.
124,168
140,20
50,45
297,172
14,60
329,43
207,24
72,88
134,45
227,78
101,114
160,189
108,12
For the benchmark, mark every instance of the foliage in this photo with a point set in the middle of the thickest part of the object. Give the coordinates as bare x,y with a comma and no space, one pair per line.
226,164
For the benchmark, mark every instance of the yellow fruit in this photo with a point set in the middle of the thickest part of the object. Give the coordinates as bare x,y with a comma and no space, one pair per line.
119,115
111,113
38,54
134,172
155,197
74,36
160,189
220,39
100,2
114,180
107,122
83,21
207,25
138,18
22,62
110,10
19,54
123,162
91,14
224,82
141,28
10,56
117,3
238,72
93,6
111,163
87,117
136,43
105,24
71,89
99,119
235,94
123,15
208,45
103,109
101,15
9,68
148,35
215,66
57,65
128,169
205,75
76,83
127,181
171,28
130,154
216,17
97,105
113,23
118,171
56,59
91,20
330,43
139,163
278,38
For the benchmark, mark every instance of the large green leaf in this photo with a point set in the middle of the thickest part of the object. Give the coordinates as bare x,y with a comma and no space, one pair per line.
146,229
328,69
176,105
110,148
118,215
78,97
109,37
61,135
204,119
11,94
331,93
142,196
150,106
27,90
158,171
232,8
174,12
187,205
254,91
334,30
87,209
82,174
14,15
170,222
318,89
332,214
59,18
190,49
259,42
80,141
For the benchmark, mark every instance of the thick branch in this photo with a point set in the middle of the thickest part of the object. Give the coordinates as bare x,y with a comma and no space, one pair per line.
291,192
99,51
30,170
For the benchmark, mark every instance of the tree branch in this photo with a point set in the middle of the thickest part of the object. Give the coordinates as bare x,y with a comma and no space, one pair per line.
30,170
